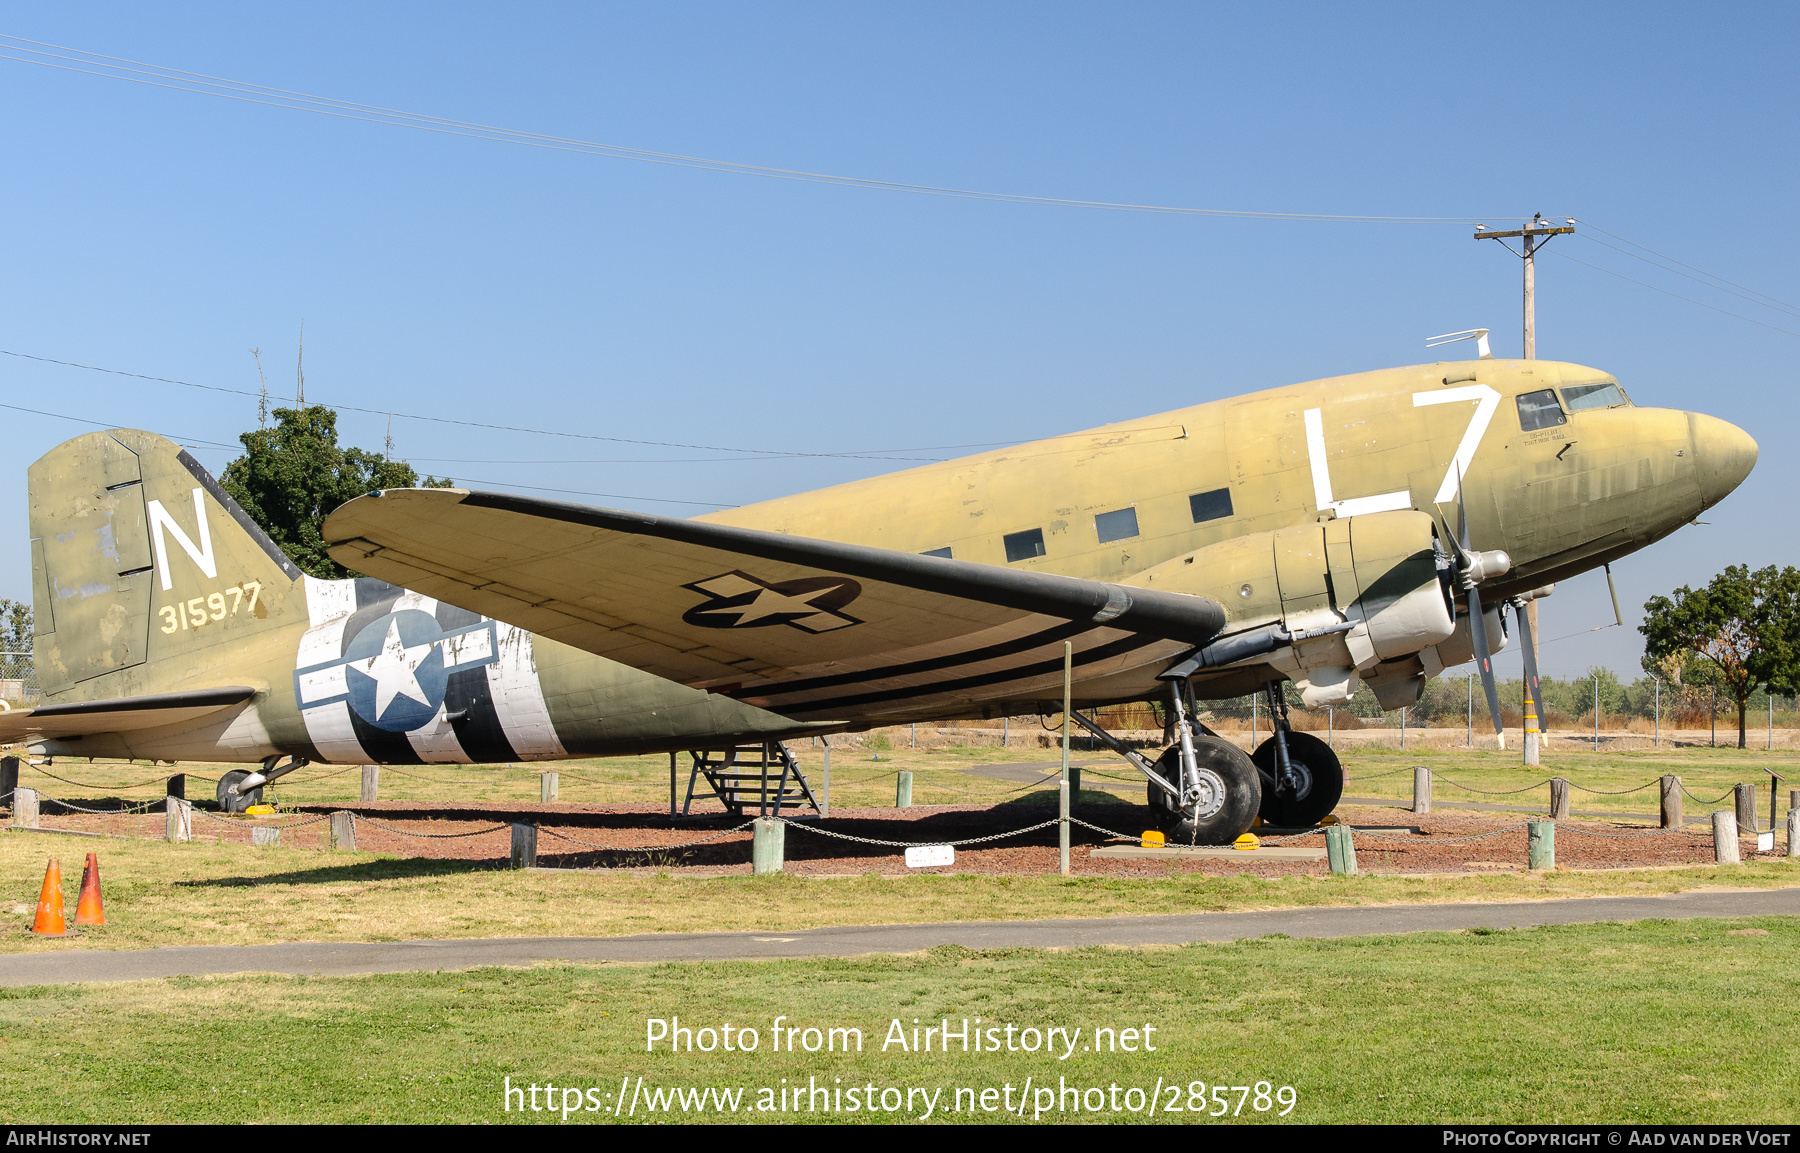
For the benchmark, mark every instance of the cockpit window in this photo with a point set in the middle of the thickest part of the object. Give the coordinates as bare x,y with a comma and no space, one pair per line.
1585,396
1540,410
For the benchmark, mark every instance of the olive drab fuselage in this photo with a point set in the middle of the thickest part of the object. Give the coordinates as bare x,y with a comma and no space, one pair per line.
1313,508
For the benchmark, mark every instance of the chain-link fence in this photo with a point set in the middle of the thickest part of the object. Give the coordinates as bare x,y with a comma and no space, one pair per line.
18,679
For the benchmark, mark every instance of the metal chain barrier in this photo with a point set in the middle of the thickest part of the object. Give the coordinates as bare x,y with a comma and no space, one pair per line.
134,809
1613,792
1435,775
647,848
431,836
1377,776
920,844
1714,801
250,825
85,785
1562,828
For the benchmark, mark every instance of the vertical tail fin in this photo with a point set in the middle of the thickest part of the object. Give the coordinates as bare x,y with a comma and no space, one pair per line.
142,568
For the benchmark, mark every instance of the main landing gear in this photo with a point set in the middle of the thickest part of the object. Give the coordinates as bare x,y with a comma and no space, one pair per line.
1204,790
1302,779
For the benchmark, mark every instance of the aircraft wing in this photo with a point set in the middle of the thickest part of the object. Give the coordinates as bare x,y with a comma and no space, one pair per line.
117,714
709,604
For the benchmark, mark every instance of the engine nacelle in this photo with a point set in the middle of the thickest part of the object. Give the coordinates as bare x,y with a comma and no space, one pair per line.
1321,602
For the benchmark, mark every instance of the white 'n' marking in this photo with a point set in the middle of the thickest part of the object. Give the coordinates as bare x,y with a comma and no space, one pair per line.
202,556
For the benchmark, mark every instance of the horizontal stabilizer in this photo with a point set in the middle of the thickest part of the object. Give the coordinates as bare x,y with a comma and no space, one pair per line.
117,715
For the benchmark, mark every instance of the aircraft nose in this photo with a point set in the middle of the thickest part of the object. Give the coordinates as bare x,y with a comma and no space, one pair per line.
1724,454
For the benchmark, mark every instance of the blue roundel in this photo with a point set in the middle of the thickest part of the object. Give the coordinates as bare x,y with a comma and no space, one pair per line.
394,669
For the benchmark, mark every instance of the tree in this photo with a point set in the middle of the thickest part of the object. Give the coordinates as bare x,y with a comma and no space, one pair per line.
15,626
1743,631
294,475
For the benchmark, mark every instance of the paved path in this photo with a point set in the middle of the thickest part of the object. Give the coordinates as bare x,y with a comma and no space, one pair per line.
415,956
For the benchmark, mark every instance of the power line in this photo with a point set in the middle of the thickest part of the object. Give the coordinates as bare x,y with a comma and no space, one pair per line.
1749,294
158,76
1677,295
866,455
185,443
607,495
1690,267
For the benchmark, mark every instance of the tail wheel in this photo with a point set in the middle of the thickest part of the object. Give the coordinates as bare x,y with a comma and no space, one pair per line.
1230,793
1320,782
235,802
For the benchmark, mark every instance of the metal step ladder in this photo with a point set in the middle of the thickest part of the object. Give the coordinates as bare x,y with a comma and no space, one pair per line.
755,779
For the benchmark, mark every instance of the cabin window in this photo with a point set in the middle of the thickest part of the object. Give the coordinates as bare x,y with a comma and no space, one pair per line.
943,552
1213,505
1116,525
1024,545
1540,410
1585,396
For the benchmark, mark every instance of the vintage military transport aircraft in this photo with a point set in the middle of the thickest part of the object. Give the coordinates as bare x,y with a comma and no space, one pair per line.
1370,527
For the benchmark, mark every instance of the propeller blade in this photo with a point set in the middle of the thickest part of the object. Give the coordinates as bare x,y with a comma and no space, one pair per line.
1462,516
1522,614
1484,658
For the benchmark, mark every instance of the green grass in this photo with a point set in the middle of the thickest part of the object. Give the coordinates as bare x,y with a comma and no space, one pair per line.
1653,1022
233,894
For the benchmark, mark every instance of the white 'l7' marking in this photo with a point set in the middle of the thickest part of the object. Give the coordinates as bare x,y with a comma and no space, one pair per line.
1465,451
202,556
1488,403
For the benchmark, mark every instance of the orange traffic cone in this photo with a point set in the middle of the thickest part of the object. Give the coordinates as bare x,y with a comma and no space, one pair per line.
49,921
87,908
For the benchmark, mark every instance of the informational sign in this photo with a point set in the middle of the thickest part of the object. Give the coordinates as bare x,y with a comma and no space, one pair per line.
924,856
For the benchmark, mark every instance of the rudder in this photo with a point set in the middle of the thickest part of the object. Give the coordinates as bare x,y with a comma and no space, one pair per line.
140,561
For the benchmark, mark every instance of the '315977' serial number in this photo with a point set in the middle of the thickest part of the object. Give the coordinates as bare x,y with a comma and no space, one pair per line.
213,607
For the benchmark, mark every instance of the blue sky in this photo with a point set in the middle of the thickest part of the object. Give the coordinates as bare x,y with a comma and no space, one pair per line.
166,233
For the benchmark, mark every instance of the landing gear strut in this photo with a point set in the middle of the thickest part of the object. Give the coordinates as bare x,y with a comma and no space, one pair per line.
1204,790
1219,790
239,790
1302,779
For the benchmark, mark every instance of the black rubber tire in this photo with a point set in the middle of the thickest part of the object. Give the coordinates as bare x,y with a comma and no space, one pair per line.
237,802
1242,789
1322,782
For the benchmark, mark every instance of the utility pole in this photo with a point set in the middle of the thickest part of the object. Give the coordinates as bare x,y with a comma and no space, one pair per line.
1532,237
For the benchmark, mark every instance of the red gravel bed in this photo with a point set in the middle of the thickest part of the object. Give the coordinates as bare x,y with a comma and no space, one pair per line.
604,836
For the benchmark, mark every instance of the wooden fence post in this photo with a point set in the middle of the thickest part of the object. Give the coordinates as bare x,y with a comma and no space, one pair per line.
1559,799
343,831
1541,845
1745,795
1421,789
903,789
524,846
547,786
768,844
177,786
9,777
1671,802
1340,850
371,783
1793,832
1725,838
825,784
178,821
25,808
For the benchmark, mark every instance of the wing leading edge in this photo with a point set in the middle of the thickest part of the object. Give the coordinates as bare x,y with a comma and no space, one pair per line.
723,606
